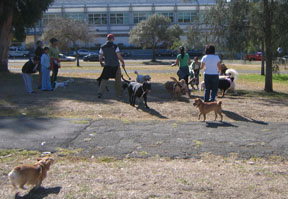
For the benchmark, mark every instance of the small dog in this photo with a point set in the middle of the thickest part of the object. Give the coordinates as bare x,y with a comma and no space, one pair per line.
136,89
228,82
30,174
63,84
142,78
206,107
177,88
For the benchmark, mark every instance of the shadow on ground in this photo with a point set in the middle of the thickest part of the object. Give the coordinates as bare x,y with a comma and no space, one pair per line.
39,193
237,117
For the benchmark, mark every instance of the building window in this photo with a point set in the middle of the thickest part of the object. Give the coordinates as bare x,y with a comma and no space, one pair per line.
47,18
186,17
99,18
75,16
119,18
139,16
170,15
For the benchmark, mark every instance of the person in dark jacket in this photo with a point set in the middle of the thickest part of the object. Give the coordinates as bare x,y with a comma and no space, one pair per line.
111,68
38,53
30,67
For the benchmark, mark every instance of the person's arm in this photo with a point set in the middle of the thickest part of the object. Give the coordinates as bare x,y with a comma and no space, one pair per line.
121,59
219,66
176,63
101,57
202,65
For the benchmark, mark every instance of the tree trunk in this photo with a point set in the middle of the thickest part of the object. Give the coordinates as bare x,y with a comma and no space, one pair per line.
268,14
262,58
5,28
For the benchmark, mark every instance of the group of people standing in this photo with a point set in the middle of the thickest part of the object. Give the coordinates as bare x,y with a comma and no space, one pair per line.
210,62
45,60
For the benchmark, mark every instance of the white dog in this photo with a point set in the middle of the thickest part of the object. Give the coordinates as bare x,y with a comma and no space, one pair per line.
63,84
142,78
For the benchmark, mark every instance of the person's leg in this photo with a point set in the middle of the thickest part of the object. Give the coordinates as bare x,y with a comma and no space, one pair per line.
102,87
28,82
44,80
186,80
207,88
54,76
214,87
118,83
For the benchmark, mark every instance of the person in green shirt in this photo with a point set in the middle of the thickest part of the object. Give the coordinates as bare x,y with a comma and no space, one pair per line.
183,61
54,60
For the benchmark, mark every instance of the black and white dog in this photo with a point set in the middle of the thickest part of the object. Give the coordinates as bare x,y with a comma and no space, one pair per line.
137,90
226,82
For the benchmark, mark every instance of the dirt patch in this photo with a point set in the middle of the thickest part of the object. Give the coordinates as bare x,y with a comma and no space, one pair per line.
208,177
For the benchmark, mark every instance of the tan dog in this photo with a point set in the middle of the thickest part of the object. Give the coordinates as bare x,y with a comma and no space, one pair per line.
30,174
206,107
177,88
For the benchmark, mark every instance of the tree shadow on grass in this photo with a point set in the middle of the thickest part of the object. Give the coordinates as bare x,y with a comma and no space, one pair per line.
240,118
39,193
158,63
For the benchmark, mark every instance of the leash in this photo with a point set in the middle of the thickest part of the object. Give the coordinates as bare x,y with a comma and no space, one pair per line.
126,72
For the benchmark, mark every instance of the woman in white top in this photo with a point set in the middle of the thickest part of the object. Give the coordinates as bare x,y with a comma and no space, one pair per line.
211,63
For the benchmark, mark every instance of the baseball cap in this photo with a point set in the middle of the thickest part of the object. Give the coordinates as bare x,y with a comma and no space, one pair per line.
110,36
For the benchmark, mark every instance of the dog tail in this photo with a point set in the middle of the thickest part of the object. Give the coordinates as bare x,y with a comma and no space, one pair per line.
174,79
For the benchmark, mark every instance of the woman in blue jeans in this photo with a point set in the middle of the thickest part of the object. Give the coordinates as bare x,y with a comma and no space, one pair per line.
211,63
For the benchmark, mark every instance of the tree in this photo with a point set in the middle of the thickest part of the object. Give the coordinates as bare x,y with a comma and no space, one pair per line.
15,16
151,32
67,31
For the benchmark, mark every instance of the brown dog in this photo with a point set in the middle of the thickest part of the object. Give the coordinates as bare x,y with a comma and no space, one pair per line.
177,88
30,174
206,107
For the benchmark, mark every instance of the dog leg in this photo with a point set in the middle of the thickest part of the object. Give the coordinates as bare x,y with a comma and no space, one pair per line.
204,117
145,100
221,116
215,115
199,116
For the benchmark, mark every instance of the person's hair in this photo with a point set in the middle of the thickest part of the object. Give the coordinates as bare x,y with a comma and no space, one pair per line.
210,49
182,51
36,58
38,42
52,40
46,48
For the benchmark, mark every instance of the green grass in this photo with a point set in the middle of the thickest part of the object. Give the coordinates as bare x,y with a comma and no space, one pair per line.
283,78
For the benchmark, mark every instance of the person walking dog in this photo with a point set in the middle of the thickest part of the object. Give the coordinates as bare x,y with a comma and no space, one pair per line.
183,61
212,65
111,65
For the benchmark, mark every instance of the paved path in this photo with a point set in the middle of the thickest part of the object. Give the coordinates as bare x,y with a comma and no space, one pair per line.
142,139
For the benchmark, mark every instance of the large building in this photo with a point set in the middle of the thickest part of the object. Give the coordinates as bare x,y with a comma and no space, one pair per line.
119,16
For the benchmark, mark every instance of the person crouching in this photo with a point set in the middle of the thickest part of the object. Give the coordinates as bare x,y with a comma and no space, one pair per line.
28,69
